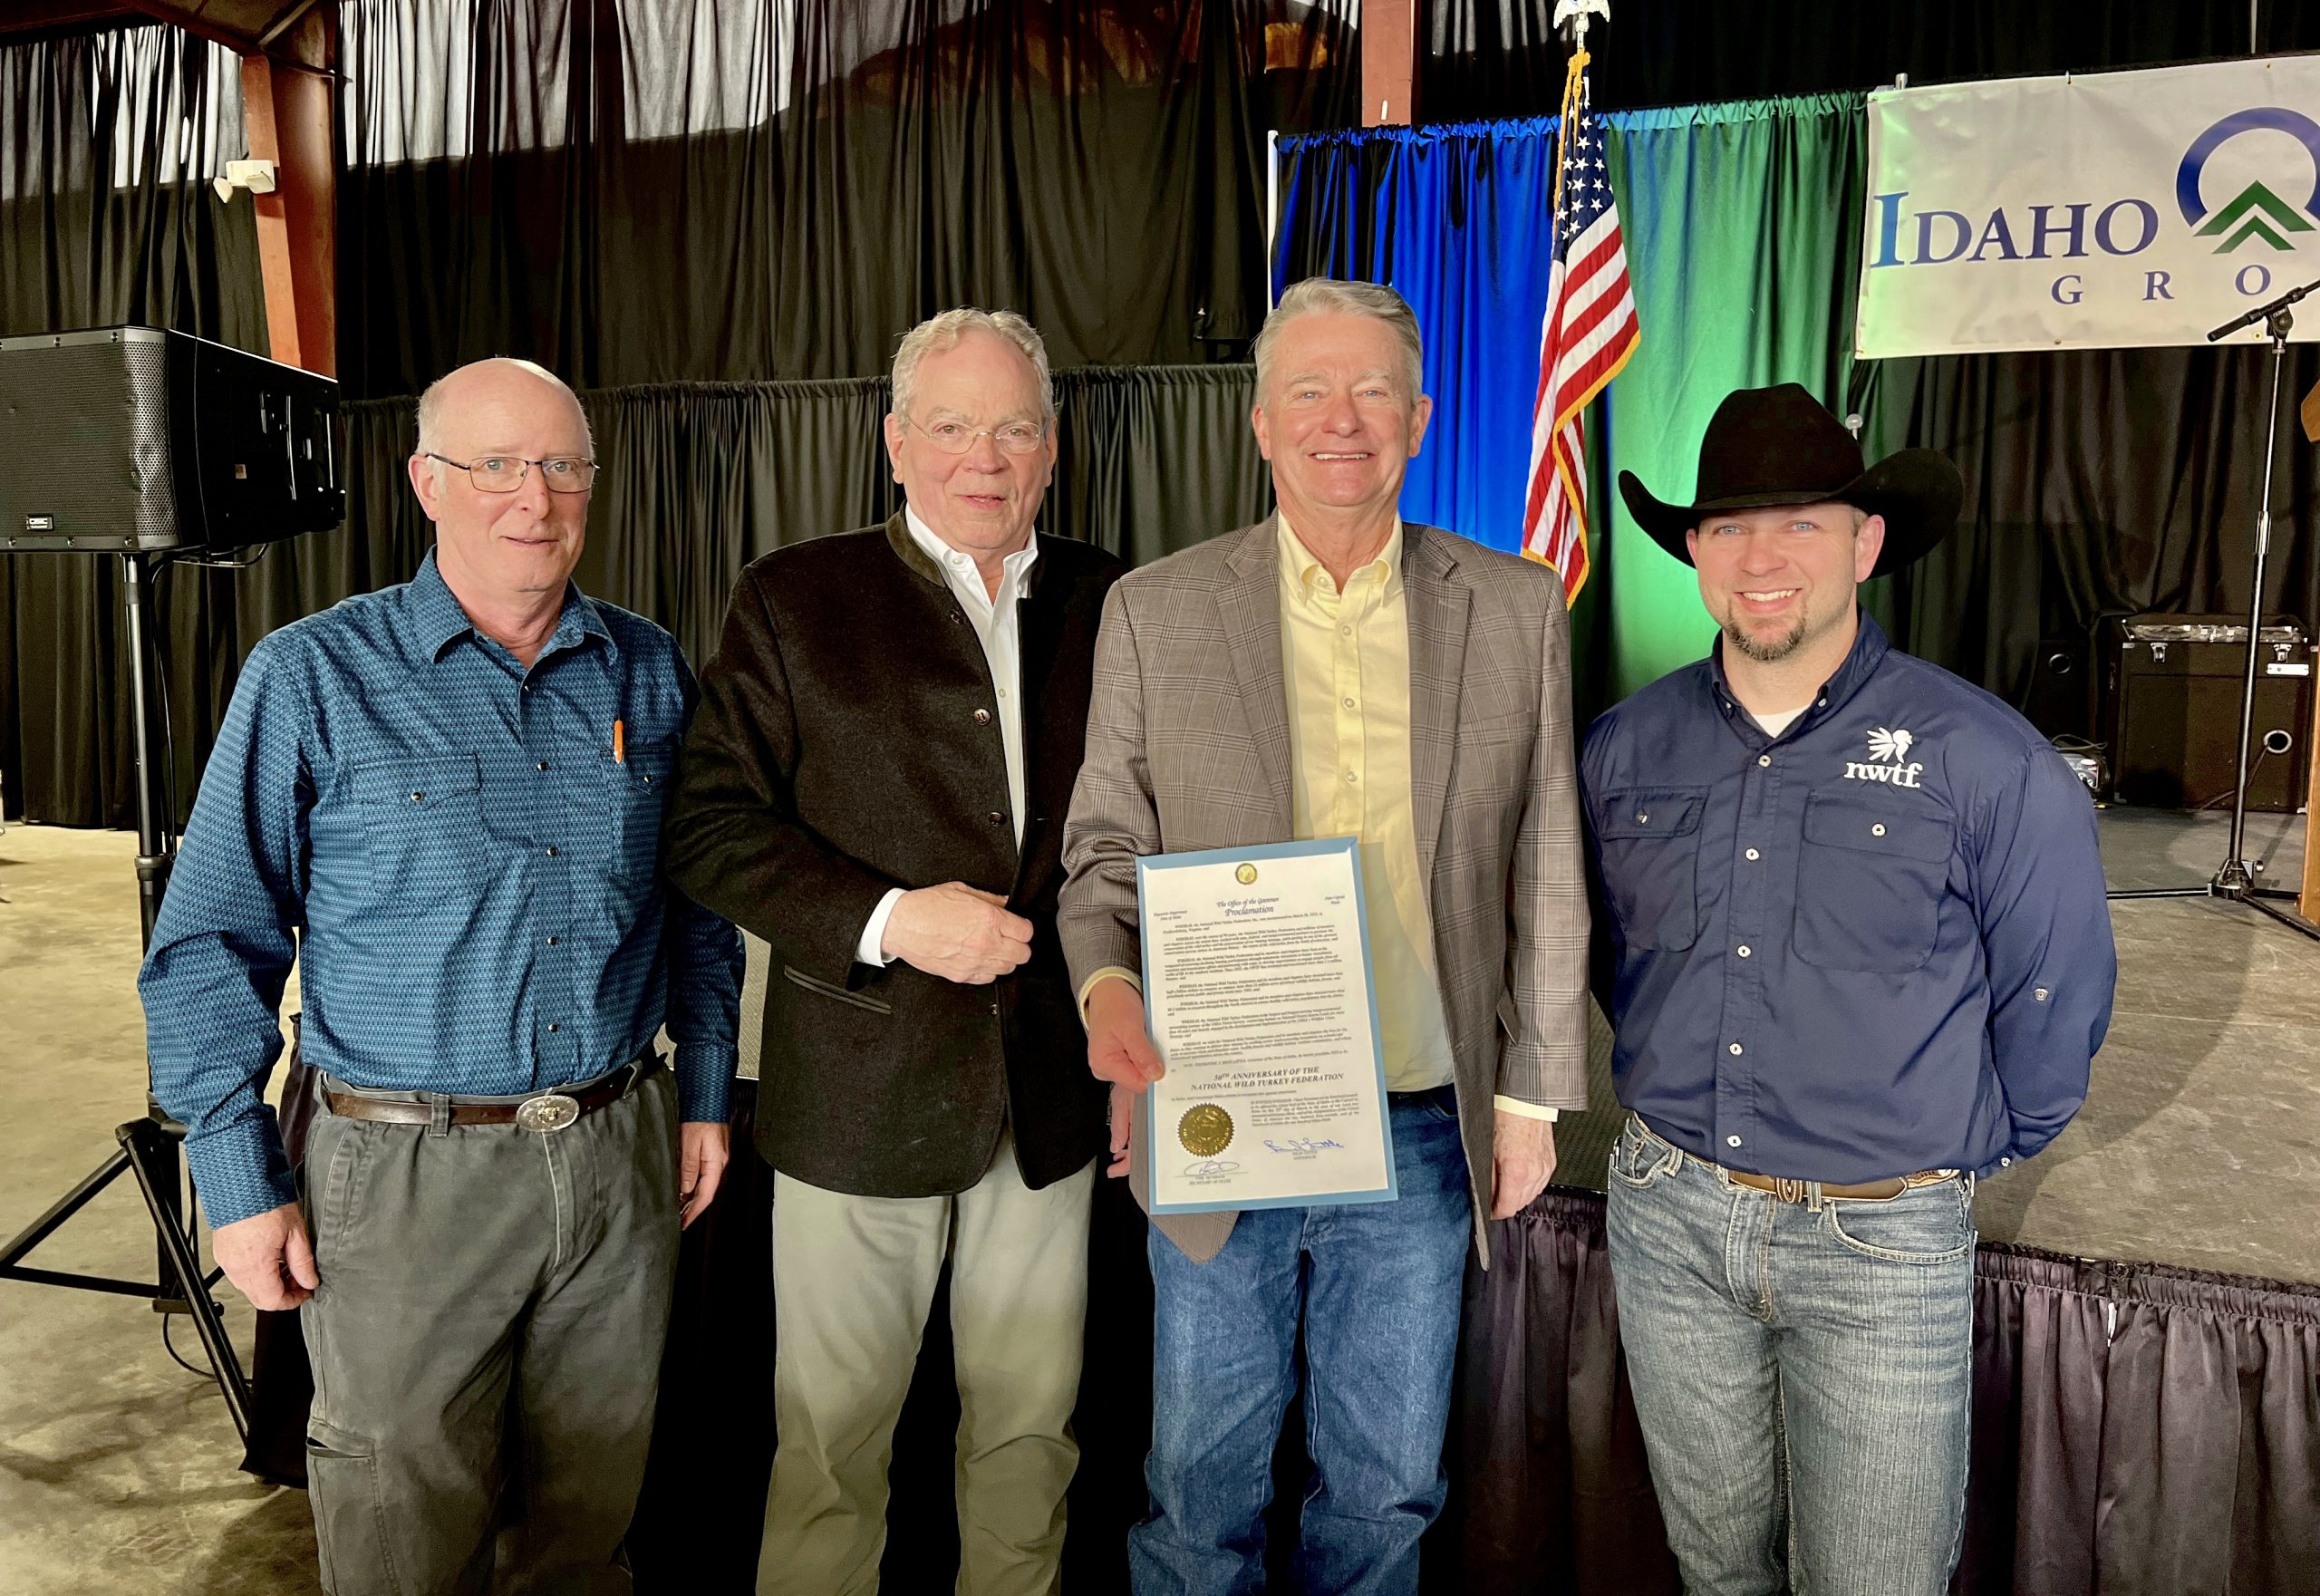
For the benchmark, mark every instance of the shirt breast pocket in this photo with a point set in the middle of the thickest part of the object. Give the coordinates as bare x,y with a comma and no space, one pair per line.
637,791
1869,885
422,828
1648,840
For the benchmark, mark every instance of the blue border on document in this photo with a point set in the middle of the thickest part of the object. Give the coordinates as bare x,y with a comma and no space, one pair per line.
1317,848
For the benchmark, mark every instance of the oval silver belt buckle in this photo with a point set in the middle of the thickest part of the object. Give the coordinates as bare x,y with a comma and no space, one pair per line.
548,1112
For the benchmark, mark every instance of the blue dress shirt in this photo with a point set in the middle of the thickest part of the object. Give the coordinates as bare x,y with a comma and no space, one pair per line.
468,877
1875,945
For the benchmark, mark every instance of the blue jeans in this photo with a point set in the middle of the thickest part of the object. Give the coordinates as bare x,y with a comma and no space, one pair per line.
1803,1372
1377,1286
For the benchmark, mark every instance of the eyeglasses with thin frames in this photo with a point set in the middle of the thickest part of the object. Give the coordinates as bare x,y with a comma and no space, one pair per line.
957,437
503,473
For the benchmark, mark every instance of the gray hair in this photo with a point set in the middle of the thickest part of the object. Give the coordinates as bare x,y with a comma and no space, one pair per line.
1320,295
938,334
431,403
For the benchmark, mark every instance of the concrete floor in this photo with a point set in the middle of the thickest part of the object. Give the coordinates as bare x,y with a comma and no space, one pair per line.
118,1468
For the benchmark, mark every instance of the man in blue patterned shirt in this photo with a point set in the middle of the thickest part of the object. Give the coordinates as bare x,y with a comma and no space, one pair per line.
443,802
1858,958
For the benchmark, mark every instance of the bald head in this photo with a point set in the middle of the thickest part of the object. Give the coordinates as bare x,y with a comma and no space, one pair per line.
506,535
501,385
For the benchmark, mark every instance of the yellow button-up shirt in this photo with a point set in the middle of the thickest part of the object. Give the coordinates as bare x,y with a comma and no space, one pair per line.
1345,662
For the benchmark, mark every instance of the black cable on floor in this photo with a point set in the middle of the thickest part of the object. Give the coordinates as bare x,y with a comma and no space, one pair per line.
2225,796
181,1363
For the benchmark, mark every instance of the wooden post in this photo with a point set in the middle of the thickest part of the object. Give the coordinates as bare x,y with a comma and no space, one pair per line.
288,105
1388,62
2309,903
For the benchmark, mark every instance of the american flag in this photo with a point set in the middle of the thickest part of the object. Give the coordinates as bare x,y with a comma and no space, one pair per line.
1588,331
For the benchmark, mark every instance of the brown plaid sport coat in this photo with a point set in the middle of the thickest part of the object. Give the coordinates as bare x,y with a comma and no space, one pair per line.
1188,748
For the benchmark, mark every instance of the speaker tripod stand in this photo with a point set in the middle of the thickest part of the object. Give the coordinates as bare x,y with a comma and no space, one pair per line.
2236,879
149,1146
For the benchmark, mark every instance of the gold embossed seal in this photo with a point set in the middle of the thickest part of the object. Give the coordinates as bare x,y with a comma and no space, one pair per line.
1246,876
1205,1130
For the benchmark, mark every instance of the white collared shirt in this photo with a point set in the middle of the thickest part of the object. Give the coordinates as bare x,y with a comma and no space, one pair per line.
993,617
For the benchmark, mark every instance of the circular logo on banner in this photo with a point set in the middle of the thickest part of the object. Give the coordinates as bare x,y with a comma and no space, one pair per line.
2258,212
1205,1129
1246,876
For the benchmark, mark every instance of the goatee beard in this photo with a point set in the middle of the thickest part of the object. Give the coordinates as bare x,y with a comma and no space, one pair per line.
1765,653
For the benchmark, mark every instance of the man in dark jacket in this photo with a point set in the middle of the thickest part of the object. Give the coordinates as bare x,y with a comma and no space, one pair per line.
877,785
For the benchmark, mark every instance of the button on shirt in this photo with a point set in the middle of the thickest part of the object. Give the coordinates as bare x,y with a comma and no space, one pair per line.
460,858
1875,945
992,615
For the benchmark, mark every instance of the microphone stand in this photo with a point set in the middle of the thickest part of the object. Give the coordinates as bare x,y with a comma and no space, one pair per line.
2235,881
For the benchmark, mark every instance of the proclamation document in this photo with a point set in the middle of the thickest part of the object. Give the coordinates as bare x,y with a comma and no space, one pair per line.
1256,985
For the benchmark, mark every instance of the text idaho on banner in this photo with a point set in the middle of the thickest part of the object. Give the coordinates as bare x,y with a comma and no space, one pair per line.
2124,209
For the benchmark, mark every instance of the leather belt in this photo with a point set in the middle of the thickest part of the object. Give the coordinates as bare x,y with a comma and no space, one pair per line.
1799,1191
548,1111
1875,1191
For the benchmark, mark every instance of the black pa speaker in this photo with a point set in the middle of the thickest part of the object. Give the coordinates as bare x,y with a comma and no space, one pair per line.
139,439
2065,696
2174,691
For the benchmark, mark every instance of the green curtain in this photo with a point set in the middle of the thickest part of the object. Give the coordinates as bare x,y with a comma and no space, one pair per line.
1742,225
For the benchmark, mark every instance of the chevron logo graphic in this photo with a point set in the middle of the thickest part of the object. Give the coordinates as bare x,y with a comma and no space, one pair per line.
2258,213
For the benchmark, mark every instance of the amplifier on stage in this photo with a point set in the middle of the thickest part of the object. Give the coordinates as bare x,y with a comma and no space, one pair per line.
2172,701
137,438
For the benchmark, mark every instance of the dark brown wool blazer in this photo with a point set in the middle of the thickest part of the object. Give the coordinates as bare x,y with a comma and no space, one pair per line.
847,742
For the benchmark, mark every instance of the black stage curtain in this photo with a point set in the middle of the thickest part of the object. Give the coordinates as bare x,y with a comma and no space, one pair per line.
2099,483
104,143
1489,59
736,189
649,198
2137,1430
701,479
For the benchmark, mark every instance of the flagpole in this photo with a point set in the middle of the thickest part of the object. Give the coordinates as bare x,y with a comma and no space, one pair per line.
1554,525
1572,17
1272,208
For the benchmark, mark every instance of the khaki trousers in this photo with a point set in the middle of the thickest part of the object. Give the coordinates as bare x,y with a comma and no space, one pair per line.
486,1346
853,1278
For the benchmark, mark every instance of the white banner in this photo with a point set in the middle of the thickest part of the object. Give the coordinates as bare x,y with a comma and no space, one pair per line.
2126,208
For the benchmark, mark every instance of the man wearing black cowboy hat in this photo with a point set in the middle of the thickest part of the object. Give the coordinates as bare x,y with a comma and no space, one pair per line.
1858,958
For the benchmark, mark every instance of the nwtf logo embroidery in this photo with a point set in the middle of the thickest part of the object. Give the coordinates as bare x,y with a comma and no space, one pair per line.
1887,754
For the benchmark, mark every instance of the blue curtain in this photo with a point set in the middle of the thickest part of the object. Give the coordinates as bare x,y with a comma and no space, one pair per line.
1455,217
1742,231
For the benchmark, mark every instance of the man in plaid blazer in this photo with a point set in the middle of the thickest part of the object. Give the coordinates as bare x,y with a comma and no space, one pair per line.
1329,672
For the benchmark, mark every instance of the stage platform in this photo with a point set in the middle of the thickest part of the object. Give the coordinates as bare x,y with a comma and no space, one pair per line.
2199,1143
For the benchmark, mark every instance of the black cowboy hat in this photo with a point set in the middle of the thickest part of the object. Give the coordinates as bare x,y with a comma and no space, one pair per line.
1772,446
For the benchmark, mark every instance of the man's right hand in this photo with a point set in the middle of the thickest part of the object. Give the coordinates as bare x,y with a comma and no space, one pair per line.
958,932
267,1257
1118,1049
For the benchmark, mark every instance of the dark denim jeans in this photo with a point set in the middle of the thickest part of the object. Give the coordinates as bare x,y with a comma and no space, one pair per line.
1377,1286
1803,1372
